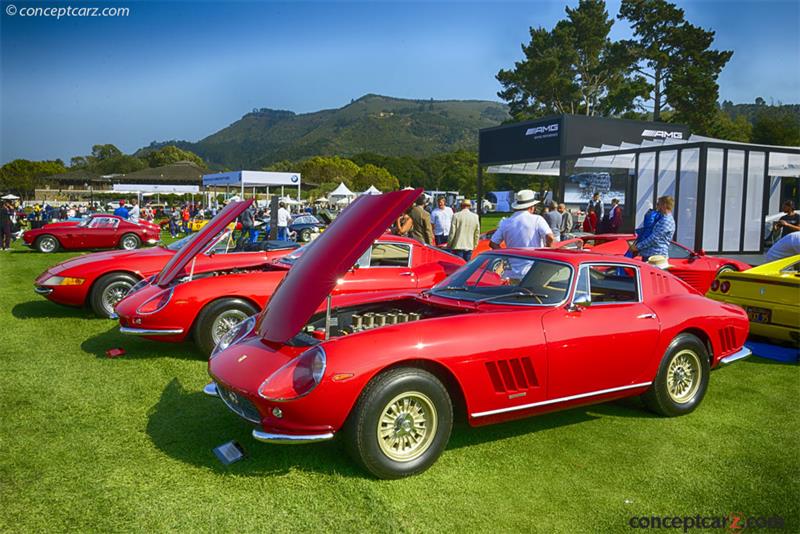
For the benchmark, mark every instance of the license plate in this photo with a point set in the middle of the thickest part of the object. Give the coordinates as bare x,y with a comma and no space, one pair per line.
759,315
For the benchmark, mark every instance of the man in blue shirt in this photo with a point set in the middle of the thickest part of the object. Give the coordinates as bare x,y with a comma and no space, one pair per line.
121,211
657,242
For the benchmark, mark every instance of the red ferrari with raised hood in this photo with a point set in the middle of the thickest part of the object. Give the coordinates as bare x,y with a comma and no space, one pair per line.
93,232
692,266
513,333
182,303
100,280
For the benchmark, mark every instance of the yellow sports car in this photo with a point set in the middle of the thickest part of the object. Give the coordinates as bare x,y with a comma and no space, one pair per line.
769,293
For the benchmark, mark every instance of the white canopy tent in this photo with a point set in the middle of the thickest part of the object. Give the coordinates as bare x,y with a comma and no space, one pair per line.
341,195
254,179
372,191
9,197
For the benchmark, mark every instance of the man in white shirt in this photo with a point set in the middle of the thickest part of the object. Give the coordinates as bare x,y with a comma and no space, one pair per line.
133,212
441,218
788,245
284,219
524,229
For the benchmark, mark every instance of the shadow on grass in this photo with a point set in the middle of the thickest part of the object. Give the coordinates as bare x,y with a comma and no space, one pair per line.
43,309
465,436
139,348
188,425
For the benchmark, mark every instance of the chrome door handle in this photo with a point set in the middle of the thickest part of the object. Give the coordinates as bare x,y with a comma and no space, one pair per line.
406,273
646,316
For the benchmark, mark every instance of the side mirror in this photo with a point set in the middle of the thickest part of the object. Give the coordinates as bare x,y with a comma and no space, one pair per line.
579,302
701,252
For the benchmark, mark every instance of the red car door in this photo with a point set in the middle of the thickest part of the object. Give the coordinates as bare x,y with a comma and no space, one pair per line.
605,339
695,270
384,266
101,233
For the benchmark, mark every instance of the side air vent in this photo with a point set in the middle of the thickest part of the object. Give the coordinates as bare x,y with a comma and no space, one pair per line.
515,374
660,283
727,338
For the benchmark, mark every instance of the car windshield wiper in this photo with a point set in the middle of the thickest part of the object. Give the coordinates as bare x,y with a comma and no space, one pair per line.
453,288
519,292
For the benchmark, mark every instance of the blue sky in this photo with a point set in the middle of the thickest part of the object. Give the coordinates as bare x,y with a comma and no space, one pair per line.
182,70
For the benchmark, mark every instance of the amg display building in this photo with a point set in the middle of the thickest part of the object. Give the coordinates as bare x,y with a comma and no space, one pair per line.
724,191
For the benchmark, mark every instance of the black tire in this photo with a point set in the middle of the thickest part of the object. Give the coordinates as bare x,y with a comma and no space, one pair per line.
686,356
108,290
47,244
363,426
129,242
305,235
219,310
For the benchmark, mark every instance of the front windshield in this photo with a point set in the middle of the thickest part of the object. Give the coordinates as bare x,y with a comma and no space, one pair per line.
84,222
176,245
508,279
295,255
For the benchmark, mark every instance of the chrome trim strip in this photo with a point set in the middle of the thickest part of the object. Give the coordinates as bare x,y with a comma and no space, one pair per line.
289,439
740,354
149,331
561,399
42,290
210,389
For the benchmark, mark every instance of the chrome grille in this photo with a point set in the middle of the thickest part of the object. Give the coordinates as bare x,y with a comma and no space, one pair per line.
239,405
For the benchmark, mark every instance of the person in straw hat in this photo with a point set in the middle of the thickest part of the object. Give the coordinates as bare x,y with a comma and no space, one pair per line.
659,261
524,229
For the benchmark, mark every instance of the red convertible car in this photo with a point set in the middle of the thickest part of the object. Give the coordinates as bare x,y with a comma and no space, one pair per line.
102,279
95,231
176,306
511,334
693,267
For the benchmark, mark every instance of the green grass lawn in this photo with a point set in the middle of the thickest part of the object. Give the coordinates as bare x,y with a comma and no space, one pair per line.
94,444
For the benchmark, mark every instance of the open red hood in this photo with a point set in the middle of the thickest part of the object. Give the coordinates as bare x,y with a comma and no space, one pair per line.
200,241
329,257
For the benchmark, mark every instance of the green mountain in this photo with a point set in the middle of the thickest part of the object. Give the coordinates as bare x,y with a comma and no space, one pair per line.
373,123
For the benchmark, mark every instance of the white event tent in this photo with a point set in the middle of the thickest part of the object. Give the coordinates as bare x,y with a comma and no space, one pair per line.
341,195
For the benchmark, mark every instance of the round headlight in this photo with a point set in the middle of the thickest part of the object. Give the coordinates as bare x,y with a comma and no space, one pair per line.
236,333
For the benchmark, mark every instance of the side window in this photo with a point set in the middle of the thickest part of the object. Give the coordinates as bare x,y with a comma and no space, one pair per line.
104,222
678,252
389,255
608,283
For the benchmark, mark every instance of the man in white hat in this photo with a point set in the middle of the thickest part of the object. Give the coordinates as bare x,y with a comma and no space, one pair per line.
524,229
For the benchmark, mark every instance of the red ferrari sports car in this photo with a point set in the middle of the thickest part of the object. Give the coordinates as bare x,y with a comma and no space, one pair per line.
175,305
513,333
693,267
95,231
102,279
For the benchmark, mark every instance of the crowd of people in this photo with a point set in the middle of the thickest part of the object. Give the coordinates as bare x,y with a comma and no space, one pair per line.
536,224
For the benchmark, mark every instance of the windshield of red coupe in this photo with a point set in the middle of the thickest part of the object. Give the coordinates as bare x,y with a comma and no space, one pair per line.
508,279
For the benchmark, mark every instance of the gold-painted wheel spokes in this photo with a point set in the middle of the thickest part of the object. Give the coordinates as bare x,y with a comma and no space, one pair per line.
684,376
407,426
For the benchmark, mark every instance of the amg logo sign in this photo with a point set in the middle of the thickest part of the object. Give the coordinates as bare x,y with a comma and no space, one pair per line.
661,134
549,130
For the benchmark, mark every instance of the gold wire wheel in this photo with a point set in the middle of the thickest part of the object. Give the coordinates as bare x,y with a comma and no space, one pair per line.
684,376
407,426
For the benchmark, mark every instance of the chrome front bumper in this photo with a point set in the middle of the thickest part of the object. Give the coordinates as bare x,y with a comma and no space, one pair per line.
741,354
149,331
288,439
41,290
